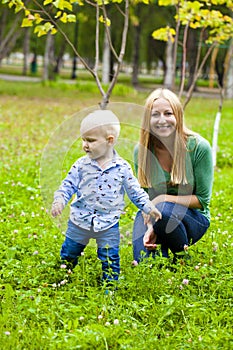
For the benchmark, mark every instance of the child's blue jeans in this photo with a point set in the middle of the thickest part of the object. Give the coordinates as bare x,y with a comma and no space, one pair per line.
108,248
178,227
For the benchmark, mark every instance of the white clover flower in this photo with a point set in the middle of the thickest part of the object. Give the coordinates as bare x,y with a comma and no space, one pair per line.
63,266
63,282
185,281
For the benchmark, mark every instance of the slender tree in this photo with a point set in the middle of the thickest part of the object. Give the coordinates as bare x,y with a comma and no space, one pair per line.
47,16
214,27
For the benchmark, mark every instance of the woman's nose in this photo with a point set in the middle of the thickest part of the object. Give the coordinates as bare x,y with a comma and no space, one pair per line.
162,118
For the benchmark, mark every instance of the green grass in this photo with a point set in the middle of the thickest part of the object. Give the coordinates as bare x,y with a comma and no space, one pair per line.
42,306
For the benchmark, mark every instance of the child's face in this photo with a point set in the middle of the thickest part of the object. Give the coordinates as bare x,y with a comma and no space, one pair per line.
96,144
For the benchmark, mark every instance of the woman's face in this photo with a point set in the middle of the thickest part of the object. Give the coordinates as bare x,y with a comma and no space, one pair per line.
163,121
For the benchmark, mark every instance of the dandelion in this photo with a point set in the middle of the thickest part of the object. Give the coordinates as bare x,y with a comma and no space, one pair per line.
116,322
185,281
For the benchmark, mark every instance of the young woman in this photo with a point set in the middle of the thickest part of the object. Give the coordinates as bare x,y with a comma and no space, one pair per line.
175,165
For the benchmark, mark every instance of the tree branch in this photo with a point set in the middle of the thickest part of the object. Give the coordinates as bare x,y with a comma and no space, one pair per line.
121,55
190,91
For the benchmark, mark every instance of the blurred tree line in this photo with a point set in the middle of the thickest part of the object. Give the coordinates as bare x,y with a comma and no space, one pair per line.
142,50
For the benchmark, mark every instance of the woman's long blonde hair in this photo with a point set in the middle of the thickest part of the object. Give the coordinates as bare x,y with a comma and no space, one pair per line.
178,171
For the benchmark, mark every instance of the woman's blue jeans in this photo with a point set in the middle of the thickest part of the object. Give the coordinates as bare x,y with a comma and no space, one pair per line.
178,227
108,248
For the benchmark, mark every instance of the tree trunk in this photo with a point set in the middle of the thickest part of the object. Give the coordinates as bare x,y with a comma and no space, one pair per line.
26,48
59,58
191,55
229,72
136,55
8,39
75,58
212,67
106,64
48,72
168,78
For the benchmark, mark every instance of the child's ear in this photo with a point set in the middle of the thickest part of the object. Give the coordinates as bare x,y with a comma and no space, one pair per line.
111,139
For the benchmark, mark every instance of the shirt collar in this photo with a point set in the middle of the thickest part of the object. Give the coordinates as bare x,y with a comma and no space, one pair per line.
116,160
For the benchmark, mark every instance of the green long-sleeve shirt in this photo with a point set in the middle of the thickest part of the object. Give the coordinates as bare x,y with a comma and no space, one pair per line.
199,173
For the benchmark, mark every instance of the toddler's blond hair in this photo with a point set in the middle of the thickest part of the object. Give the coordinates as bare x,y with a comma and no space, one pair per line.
104,119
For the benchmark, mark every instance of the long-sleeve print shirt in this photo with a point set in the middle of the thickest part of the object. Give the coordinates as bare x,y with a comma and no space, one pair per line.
99,193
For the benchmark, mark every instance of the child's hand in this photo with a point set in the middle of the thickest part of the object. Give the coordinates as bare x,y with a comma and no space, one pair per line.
155,213
57,208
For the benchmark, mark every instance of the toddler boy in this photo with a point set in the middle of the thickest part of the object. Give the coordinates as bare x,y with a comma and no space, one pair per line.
99,181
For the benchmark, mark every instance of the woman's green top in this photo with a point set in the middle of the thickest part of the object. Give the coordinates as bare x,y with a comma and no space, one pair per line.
199,174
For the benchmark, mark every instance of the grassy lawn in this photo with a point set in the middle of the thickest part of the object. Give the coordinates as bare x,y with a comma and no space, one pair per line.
42,306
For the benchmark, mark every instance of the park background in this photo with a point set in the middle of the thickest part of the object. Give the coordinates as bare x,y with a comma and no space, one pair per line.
157,305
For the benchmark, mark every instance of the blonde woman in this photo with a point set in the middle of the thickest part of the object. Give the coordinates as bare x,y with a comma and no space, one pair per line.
175,165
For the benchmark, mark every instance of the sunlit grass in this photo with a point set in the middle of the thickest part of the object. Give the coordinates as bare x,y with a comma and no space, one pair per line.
45,307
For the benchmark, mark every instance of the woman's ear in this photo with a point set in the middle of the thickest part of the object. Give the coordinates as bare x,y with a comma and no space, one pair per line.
111,139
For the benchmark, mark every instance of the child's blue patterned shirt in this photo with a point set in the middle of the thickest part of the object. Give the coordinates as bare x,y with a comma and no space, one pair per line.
99,193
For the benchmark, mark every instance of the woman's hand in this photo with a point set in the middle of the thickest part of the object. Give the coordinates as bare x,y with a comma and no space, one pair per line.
149,238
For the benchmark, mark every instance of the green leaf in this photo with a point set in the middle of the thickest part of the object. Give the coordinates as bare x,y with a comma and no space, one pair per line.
26,23
46,2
